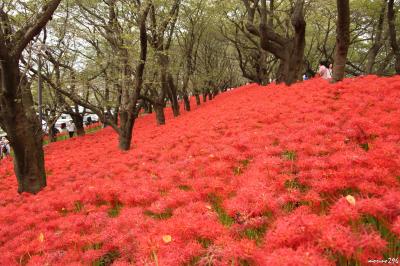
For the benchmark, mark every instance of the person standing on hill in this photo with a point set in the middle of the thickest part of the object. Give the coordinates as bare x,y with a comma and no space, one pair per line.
324,71
71,128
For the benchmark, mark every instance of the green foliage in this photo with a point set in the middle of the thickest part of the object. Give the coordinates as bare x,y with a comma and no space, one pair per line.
223,217
115,209
107,259
295,184
243,164
289,155
393,247
185,187
94,246
256,234
159,216
78,206
204,242
365,146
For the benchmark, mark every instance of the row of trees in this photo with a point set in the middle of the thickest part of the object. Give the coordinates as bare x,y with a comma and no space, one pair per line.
116,57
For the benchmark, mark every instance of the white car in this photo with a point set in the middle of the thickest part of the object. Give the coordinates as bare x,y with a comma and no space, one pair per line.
64,118
93,118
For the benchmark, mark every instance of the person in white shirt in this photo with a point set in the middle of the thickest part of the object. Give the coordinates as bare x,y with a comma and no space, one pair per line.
5,148
324,71
71,128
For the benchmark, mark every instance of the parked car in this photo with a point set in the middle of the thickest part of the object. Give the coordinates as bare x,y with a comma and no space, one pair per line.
90,118
63,119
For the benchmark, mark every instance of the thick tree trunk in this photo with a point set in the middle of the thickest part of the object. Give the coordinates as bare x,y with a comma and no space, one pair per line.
289,70
262,69
148,108
204,97
197,96
342,39
186,101
29,156
210,96
160,116
290,51
26,135
186,81
291,64
127,120
392,35
174,100
78,121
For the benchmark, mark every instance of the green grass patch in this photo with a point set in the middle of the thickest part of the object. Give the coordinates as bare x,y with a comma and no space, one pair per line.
94,246
393,241
256,234
365,146
185,187
295,184
223,217
159,216
66,136
290,206
107,259
289,155
204,242
93,129
78,206
242,165
340,259
115,209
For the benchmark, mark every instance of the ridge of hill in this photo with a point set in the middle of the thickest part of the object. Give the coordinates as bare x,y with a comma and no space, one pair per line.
261,175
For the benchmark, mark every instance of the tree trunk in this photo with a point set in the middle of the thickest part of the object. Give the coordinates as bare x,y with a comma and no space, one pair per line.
290,51
78,121
392,35
204,97
127,119
342,39
186,101
26,135
174,100
291,64
373,52
186,81
198,102
29,156
160,116
210,96
148,108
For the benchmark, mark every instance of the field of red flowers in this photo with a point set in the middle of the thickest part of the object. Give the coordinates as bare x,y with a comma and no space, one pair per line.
275,175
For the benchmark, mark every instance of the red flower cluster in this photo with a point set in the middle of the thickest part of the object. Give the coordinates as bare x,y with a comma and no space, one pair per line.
275,175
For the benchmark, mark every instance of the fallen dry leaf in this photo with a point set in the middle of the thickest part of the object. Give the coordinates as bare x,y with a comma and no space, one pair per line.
350,199
167,238
41,237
